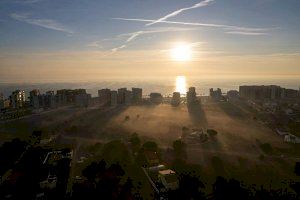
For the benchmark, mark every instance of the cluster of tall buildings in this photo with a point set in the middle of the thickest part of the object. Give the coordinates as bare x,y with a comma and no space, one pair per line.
48,100
135,97
271,92
121,96
16,100
191,97
62,97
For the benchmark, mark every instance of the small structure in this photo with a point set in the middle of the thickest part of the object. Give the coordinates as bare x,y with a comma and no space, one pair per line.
50,182
156,168
175,99
156,98
292,139
169,179
282,132
54,156
195,137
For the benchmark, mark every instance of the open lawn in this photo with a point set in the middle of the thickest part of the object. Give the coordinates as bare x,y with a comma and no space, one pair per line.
237,149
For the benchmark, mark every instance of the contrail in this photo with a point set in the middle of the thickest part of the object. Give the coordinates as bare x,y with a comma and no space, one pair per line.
237,28
197,5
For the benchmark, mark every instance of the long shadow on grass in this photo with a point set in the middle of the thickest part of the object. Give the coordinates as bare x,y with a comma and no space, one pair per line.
91,122
232,110
197,114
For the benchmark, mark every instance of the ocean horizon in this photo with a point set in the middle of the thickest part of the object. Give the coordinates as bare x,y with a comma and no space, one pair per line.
165,86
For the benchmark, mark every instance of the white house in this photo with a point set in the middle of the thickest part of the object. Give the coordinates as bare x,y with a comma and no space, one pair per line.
169,179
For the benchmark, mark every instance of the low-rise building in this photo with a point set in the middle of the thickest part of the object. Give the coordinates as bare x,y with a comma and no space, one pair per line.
175,99
156,98
169,179
292,139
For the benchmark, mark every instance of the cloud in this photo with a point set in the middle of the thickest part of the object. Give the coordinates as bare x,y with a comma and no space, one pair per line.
22,1
135,35
229,28
162,19
118,48
132,36
246,33
223,26
45,23
29,1
173,14
94,44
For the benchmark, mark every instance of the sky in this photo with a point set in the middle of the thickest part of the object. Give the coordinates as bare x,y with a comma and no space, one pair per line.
79,40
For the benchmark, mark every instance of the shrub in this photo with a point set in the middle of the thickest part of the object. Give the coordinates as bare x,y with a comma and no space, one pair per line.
212,132
266,148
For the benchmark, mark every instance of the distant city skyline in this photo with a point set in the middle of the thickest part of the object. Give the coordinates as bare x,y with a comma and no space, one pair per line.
43,40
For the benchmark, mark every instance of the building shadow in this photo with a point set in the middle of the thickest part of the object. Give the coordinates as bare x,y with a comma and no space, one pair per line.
197,114
231,110
94,121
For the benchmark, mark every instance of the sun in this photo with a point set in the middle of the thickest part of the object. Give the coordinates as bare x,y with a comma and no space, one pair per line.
181,52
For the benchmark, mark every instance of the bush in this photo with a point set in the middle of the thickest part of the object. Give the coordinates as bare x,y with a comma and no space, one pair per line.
212,132
179,149
266,148
135,142
127,118
297,168
150,146
261,157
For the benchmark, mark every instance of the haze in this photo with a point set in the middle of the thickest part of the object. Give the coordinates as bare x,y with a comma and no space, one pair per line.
45,40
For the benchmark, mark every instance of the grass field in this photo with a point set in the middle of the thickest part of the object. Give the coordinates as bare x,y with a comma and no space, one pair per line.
236,151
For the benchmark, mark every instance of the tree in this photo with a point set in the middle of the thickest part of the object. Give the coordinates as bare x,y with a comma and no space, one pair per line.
297,168
103,183
212,132
150,146
135,142
179,148
232,189
190,187
127,118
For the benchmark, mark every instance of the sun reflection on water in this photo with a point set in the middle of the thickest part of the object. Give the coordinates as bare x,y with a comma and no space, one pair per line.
181,85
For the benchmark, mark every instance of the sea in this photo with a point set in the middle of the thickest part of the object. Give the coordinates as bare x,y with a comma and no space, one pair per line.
164,85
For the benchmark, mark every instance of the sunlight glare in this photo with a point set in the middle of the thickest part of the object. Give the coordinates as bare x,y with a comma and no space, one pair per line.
181,84
181,52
